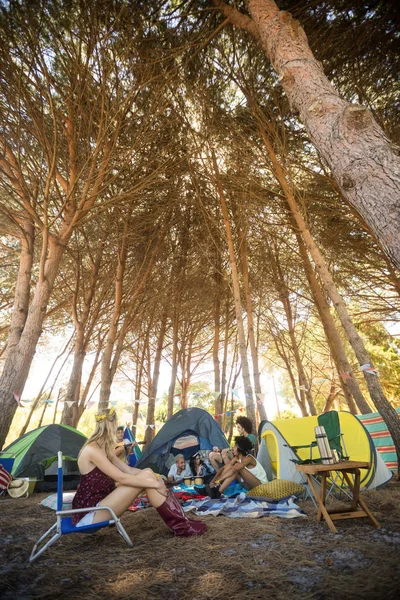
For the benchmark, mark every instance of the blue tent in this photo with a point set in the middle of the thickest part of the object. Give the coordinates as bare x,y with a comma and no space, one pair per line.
186,432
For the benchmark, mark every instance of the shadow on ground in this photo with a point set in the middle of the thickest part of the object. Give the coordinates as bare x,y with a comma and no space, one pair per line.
235,559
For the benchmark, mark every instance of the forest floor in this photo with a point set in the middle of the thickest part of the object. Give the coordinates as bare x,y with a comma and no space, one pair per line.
236,559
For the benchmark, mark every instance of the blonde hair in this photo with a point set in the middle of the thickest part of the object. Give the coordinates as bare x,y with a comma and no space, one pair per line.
106,431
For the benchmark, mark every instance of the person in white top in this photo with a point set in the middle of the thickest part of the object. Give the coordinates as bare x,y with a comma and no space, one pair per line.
179,470
243,467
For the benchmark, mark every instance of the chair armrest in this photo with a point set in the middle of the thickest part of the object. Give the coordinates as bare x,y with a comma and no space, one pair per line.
75,511
310,445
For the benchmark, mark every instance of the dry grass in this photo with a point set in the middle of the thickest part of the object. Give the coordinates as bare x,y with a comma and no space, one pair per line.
235,559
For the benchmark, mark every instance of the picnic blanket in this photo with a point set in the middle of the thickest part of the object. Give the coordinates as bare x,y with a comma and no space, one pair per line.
51,501
232,490
243,507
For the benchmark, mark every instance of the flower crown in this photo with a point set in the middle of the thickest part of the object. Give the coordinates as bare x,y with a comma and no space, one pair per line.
103,416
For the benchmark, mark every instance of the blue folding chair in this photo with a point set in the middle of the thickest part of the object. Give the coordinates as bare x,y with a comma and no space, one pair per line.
63,524
7,460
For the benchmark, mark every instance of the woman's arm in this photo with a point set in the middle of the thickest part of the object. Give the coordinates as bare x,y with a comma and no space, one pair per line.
235,467
122,473
122,466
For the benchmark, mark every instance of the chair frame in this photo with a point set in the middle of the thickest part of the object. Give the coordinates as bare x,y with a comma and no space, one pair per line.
338,483
63,524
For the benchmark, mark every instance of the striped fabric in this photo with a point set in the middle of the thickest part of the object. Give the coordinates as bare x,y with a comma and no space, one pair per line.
382,439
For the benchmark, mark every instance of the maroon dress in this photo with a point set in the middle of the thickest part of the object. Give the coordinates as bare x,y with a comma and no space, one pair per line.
93,487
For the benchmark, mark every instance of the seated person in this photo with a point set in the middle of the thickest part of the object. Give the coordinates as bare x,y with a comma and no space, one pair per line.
219,457
119,448
179,470
199,468
101,470
245,428
243,468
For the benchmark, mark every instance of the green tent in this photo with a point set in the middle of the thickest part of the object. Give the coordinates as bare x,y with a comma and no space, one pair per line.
36,451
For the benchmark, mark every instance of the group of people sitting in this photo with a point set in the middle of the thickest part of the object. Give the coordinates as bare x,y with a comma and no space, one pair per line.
225,466
108,481
180,470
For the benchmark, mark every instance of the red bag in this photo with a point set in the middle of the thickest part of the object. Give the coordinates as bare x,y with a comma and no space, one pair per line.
5,478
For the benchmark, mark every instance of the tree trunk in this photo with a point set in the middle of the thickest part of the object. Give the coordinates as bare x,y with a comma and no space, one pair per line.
382,405
282,289
150,431
224,389
285,358
82,402
36,400
362,160
250,328
174,366
19,357
74,384
238,304
217,336
23,285
348,382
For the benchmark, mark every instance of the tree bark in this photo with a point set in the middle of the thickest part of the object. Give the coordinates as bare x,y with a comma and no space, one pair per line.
150,431
304,387
174,366
23,284
362,160
84,322
19,357
250,327
238,304
378,397
299,399
348,382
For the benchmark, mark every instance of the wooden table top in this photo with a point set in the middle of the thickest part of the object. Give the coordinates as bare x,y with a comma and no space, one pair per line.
342,465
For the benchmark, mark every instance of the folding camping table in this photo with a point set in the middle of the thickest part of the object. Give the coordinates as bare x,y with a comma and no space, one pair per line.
357,508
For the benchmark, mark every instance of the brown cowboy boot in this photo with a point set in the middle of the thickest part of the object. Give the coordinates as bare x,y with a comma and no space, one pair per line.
172,514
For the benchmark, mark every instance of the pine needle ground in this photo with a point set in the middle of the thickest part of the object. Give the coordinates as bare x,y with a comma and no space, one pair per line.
235,559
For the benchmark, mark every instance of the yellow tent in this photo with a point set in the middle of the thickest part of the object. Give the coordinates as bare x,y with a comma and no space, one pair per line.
279,460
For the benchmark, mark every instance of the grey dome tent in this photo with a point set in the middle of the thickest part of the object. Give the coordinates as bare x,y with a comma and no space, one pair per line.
36,451
186,432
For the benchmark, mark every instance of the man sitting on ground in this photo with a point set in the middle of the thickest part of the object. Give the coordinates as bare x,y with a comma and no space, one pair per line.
119,448
179,470
243,468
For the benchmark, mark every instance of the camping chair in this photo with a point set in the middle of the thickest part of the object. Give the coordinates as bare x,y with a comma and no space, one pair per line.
7,460
63,524
330,422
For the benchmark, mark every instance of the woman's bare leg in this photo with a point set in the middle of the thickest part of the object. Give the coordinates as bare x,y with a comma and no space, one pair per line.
227,482
216,460
227,456
249,481
122,497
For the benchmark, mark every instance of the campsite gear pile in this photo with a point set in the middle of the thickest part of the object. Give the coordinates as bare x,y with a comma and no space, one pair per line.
15,488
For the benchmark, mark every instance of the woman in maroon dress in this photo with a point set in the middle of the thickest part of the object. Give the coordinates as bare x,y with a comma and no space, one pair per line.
100,469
